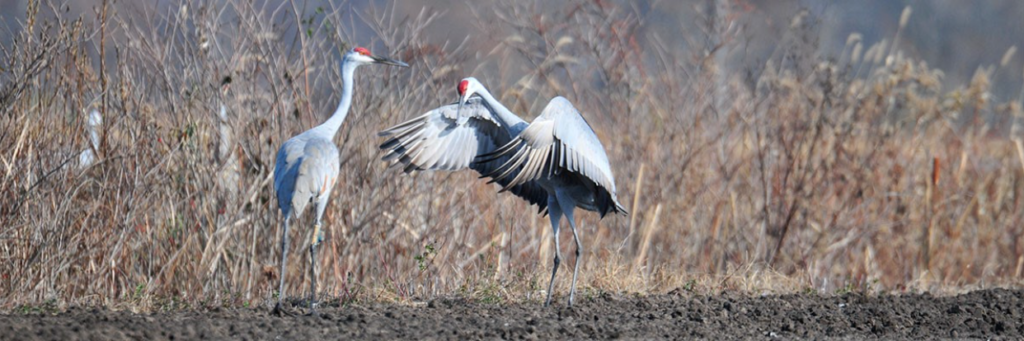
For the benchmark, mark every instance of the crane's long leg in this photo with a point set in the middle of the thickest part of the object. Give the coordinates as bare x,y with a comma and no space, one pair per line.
279,309
312,268
579,247
555,212
317,233
568,205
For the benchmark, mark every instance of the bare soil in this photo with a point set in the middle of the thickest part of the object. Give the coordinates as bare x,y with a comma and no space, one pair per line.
986,314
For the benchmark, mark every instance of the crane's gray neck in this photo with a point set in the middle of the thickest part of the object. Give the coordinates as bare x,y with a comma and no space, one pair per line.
506,116
329,128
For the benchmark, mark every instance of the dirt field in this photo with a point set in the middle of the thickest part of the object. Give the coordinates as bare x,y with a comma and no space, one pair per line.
995,313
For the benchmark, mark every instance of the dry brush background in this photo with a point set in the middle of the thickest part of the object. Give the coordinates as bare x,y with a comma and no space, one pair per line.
862,171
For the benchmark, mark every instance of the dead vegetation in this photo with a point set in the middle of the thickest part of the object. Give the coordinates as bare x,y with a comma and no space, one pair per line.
803,173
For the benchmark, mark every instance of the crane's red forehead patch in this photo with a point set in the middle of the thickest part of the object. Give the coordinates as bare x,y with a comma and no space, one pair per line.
462,87
362,51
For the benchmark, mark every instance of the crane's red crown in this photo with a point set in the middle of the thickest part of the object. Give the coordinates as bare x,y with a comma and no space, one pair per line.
362,51
462,87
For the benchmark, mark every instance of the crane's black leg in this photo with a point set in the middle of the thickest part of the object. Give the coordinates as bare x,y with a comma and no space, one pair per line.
568,205
279,309
312,269
556,215
579,246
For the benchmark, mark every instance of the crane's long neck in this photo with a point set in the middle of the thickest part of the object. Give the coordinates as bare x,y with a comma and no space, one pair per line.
507,117
329,128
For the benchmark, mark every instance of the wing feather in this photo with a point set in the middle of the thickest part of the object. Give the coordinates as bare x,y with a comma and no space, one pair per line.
559,135
448,138
305,170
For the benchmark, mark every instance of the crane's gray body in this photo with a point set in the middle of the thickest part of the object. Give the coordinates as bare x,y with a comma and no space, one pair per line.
556,162
306,170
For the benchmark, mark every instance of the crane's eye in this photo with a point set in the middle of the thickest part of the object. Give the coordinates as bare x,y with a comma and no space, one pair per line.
462,87
362,51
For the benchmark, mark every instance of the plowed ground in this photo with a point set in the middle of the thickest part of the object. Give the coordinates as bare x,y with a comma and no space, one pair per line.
994,313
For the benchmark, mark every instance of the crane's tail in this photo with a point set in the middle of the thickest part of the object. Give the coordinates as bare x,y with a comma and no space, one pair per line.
606,202
620,210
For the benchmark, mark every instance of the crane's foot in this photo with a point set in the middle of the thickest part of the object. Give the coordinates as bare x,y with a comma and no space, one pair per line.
280,311
312,310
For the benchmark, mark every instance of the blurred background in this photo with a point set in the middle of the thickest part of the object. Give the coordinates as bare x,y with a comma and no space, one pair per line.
953,36
771,146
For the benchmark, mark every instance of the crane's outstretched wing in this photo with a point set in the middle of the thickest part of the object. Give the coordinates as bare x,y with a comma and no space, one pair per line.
448,138
559,140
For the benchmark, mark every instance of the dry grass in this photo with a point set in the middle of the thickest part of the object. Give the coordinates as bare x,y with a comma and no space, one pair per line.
802,173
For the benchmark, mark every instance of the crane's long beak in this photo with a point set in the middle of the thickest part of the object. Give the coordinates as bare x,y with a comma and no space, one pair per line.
462,101
388,61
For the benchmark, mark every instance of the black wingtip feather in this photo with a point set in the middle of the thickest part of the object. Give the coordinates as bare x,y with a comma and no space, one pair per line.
390,143
409,168
498,153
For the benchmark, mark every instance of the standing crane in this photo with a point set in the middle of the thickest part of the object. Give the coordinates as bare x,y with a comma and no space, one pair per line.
307,168
227,156
556,162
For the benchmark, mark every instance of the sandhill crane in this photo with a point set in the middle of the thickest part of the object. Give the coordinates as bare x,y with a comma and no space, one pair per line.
555,162
307,168
227,156
228,175
88,156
